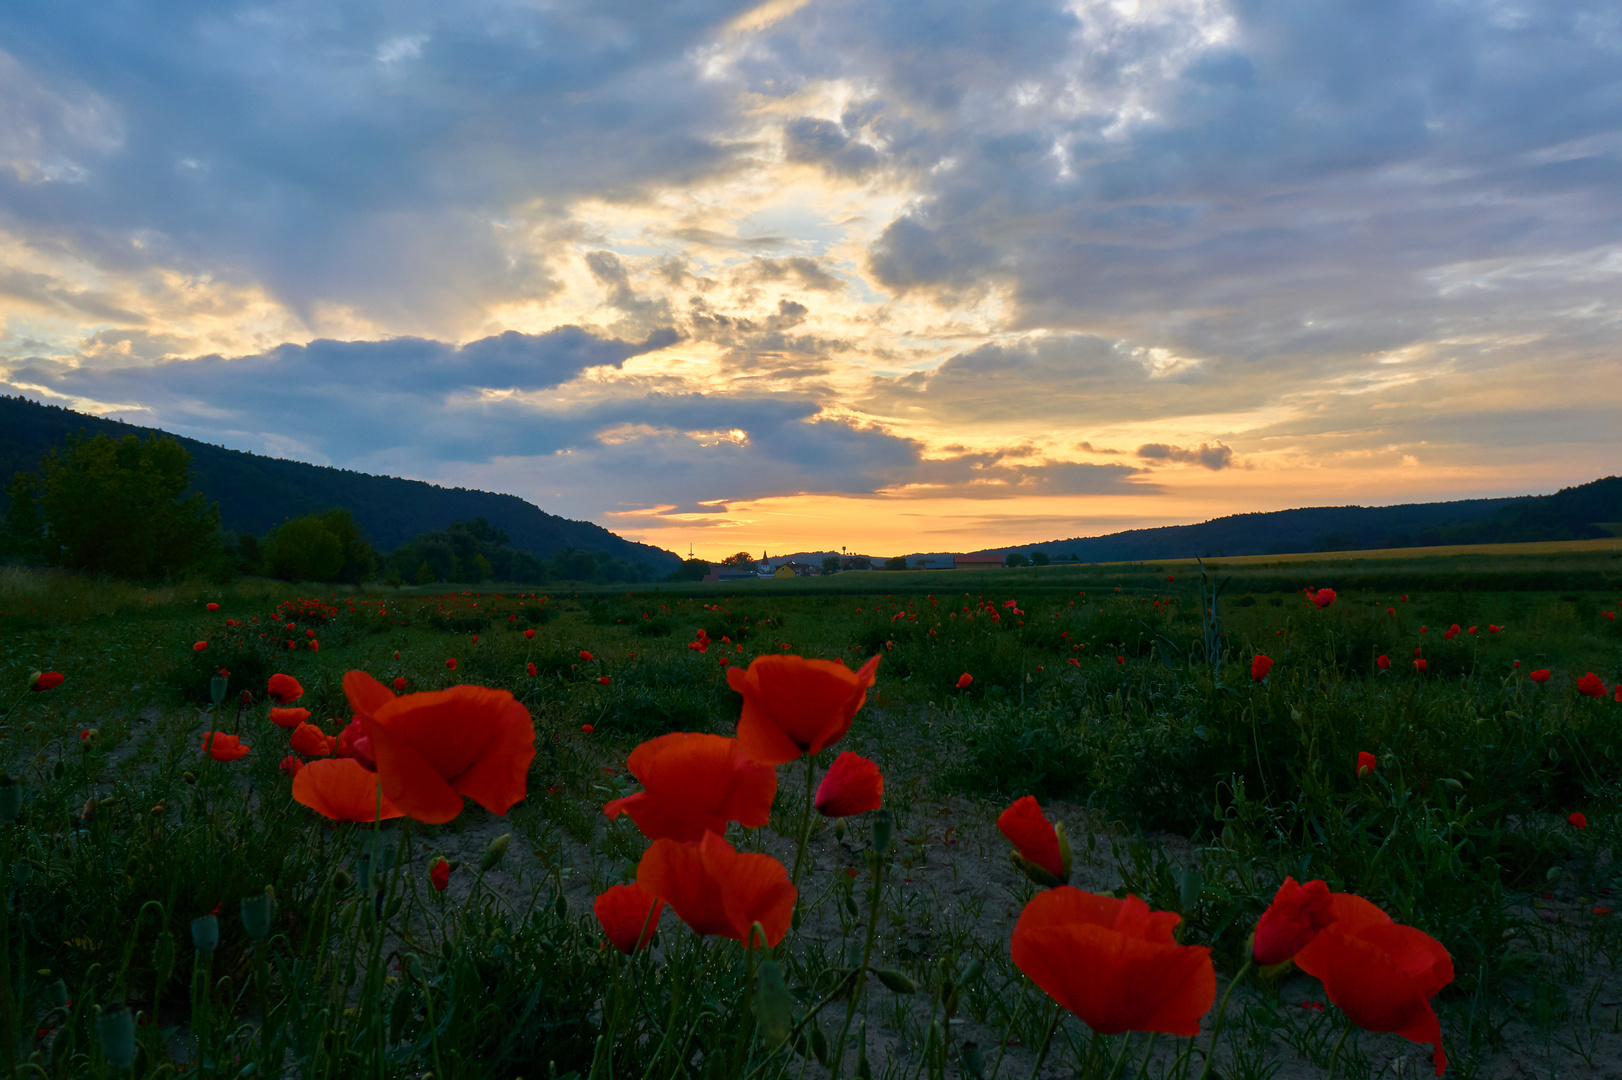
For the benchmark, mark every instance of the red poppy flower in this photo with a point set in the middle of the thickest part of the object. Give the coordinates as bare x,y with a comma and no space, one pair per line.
223,747
716,890
1541,675
852,785
311,741
433,748
1383,662
1619,691
1120,659
343,790
794,706
603,680
1293,919
451,663
1039,845
1324,597
587,728
1421,667
439,874
289,718
200,646
1260,666
284,688
353,742
291,764
529,633
1381,974
529,668
1114,963
45,680
1491,629
1591,685
964,680
1578,820
584,655
628,915
1390,611
695,783
213,607
1366,763
399,684
315,646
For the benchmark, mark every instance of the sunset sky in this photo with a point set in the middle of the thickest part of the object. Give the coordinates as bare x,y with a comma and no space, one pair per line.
905,276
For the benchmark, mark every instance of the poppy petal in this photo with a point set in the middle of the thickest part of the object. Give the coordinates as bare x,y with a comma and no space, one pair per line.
339,788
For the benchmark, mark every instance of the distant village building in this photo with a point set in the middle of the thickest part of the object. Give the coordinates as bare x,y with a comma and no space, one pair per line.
981,561
938,562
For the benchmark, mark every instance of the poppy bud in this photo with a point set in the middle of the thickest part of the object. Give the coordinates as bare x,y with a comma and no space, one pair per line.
116,1030
57,994
439,874
205,933
774,1005
11,799
341,880
256,913
494,852
896,981
1366,763
881,826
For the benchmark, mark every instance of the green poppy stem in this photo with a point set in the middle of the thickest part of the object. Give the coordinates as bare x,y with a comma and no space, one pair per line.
1222,1011
805,826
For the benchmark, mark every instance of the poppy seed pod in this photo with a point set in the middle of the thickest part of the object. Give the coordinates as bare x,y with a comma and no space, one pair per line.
205,933
116,1030
494,852
256,913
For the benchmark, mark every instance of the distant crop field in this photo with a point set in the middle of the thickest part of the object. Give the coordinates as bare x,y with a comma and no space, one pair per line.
1436,738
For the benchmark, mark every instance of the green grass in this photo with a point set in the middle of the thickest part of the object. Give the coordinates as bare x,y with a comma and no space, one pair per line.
1180,779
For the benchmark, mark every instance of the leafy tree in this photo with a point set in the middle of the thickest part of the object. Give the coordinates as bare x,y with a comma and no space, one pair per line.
1039,558
23,529
830,564
115,506
319,547
896,563
858,562
1016,559
741,561
691,570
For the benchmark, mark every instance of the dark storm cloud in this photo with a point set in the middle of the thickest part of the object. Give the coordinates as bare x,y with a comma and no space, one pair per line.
359,152
1216,458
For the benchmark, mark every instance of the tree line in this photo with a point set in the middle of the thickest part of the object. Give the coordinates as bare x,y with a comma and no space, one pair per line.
124,508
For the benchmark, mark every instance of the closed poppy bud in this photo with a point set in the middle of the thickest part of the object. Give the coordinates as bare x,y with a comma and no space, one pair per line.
1366,763
629,915
291,765
1383,662
44,680
1541,675
257,911
223,747
1578,821
1260,666
529,633
289,718
1293,919
439,874
399,684
852,785
200,646
284,688
530,668
964,680
1591,685
494,852
213,607
397,656
1114,963
1043,852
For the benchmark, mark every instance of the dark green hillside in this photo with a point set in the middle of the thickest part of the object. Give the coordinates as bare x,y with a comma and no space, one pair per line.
257,492
1574,513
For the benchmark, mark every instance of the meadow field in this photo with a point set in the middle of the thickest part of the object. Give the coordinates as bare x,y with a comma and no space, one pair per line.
1428,738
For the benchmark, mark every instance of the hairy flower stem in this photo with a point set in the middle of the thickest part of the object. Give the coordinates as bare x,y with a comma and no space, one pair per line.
1047,1041
859,978
1222,1011
1334,1058
805,827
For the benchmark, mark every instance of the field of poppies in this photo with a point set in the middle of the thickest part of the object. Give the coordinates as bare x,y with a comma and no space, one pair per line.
1080,821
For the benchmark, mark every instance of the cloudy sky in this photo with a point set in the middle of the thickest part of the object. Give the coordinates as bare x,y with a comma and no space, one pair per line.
906,276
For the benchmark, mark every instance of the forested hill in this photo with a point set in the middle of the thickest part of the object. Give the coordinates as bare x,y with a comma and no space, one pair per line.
256,492
1589,510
